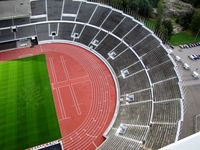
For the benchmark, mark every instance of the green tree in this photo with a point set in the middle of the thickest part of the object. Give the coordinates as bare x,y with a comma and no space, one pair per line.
185,20
145,8
195,3
163,33
164,29
168,26
154,3
195,25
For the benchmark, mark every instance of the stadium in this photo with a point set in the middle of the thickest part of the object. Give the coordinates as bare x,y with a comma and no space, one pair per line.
78,75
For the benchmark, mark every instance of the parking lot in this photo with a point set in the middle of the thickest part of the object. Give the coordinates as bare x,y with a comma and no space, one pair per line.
193,64
191,88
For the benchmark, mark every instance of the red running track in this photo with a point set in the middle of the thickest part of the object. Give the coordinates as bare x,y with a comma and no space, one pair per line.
83,90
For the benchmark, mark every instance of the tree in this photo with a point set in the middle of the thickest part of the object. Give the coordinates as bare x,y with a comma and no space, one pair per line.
185,20
195,25
195,3
154,3
164,29
168,26
145,8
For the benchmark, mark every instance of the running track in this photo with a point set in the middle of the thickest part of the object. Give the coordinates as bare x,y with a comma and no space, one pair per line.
83,91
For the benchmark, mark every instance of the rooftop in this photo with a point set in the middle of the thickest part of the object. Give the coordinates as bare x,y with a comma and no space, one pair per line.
14,9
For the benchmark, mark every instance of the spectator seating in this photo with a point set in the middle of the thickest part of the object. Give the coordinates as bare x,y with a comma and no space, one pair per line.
157,73
153,116
160,135
124,59
166,90
146,45
124,27
87,35
118,142
134,83
167,111
134,113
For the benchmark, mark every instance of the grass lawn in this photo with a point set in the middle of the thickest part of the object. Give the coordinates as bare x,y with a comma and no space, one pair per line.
150,23
28,116
184,37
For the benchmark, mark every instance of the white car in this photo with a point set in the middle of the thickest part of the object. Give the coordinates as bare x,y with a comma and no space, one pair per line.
194,57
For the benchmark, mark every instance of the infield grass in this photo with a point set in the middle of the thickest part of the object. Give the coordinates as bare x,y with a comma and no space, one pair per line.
27,112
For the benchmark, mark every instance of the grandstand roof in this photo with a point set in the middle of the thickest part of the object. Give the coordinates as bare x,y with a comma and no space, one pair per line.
14,9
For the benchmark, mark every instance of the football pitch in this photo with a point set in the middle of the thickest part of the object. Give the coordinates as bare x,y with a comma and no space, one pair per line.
27,112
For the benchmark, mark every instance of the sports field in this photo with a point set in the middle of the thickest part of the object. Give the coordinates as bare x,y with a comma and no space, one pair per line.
27,112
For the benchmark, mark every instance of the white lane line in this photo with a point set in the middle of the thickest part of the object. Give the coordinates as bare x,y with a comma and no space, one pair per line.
61,102
64,67
62,114
74,98
52,70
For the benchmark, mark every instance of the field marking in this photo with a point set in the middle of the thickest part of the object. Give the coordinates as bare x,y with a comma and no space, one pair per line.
64,67
41,49
65,84
62,108
26,55
94,144
52,69
74,98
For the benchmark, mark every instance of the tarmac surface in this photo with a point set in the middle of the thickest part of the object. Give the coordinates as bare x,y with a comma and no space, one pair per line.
191,89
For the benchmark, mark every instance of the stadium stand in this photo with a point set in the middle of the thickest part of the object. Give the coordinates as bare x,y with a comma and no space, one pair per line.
166,90
137,34
117,50
38,8
99,16
20,21
123,60
116,142
155,57
7,35
85,12
43,32
71,7
112,21
143,95
124,27
167,111
134,113
107,45
27,31
160,135
152,118
87,35
146,45
136,132
6,23
8,45
158,74
65,30
54,8
134,83
134,68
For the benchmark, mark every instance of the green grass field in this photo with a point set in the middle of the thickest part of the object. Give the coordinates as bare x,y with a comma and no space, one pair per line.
184,37
27,112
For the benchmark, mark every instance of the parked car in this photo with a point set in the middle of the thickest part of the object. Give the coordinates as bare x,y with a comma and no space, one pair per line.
194,57
189,45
